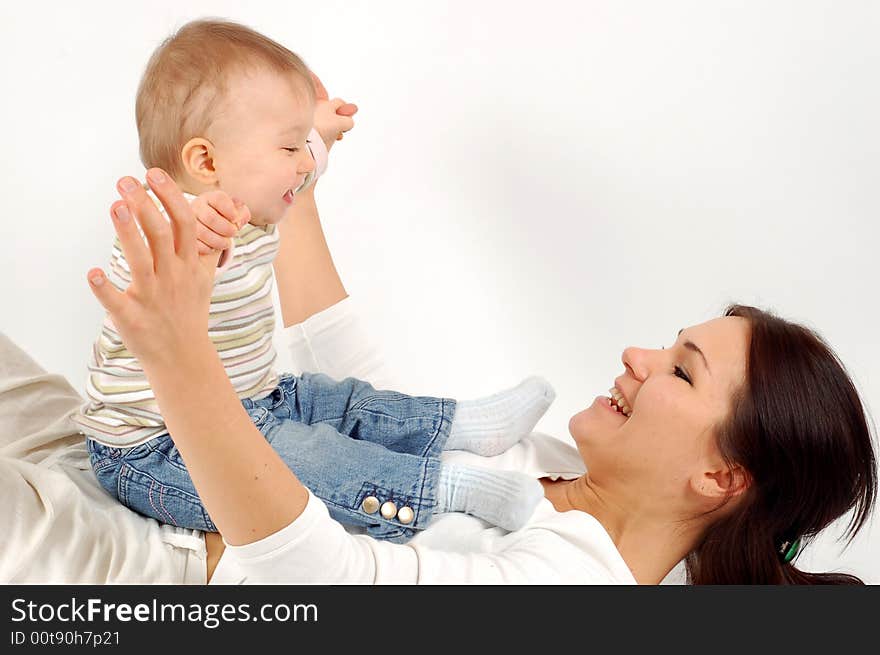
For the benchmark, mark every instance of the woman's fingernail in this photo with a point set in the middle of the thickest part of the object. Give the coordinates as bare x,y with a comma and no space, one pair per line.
238,203
128,184
122,214
156,176
97,280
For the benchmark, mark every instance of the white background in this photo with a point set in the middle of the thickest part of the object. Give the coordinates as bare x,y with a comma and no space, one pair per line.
530,187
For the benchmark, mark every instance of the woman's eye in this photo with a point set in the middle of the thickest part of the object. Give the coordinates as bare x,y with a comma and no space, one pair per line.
679,371
292,149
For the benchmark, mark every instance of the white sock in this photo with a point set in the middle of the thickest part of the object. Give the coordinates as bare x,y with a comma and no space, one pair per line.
503,498
489,426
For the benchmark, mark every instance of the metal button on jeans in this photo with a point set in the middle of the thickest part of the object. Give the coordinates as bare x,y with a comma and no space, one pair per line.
405,515
370,505
388,510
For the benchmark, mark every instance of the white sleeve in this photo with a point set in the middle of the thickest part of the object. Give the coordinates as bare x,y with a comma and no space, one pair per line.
336,342
315,549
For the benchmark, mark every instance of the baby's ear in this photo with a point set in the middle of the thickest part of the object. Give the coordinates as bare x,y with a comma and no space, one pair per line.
197,157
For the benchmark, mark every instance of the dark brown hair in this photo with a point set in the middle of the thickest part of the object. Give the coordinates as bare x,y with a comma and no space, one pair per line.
799,429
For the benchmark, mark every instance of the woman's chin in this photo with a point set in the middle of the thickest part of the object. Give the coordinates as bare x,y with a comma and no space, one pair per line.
595,423
579,425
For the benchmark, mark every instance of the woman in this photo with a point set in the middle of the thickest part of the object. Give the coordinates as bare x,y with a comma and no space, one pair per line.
744,436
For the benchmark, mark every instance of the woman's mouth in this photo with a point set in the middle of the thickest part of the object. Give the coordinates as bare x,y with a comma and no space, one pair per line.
288,197
618,403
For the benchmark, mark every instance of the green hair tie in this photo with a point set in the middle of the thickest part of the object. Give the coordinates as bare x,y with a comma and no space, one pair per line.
789,550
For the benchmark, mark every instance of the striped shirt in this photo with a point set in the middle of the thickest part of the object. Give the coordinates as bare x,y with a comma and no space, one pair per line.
122,411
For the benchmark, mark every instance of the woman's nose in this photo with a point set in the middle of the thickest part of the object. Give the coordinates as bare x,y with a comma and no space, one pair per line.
637,361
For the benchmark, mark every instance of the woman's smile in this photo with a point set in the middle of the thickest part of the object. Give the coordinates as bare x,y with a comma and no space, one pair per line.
605,402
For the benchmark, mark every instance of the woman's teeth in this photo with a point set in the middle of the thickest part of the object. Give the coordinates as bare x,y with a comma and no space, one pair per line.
619,403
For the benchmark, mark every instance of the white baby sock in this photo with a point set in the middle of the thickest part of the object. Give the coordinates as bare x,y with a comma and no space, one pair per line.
503,498
489,426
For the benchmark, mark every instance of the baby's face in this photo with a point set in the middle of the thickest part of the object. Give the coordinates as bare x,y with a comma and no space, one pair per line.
259,136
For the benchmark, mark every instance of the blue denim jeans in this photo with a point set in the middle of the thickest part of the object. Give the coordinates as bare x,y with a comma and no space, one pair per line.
346,441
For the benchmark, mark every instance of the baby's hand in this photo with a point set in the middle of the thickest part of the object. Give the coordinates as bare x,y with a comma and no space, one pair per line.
329,123
218,219
332,117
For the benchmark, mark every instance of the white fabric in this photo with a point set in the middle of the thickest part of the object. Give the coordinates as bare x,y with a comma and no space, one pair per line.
553,548
58,525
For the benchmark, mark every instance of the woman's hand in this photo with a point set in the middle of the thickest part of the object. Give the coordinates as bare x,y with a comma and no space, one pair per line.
332,117
164,310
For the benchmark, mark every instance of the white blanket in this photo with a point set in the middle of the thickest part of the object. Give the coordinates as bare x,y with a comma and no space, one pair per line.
57,525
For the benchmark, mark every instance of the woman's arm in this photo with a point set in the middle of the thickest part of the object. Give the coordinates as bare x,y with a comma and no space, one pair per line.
308,281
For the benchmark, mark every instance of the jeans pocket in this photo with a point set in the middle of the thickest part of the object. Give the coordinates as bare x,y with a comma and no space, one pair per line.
260,416
106,470
174,502
387,402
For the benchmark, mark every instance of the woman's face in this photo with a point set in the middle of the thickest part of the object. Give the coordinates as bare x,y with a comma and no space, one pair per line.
675,397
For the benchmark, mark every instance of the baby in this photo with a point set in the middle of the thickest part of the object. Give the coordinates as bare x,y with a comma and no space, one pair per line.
229,114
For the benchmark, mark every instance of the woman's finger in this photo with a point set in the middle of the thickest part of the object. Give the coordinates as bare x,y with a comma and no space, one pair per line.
183,221
347,109
109,296
148,216
136,253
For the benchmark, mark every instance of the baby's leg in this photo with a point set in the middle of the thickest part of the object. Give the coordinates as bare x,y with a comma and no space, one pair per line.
152,480
393,494
360,482
489,426
415,425
363,484
419,425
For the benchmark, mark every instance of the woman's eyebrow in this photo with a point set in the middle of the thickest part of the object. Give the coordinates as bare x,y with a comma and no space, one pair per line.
690,345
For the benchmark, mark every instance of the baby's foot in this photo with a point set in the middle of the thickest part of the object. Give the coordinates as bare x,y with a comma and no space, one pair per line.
503,498
489,426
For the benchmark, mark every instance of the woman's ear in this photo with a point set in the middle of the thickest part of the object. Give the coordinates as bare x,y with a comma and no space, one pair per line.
197,157
722,483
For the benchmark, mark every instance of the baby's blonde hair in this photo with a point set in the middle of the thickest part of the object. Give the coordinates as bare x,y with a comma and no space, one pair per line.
187,78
